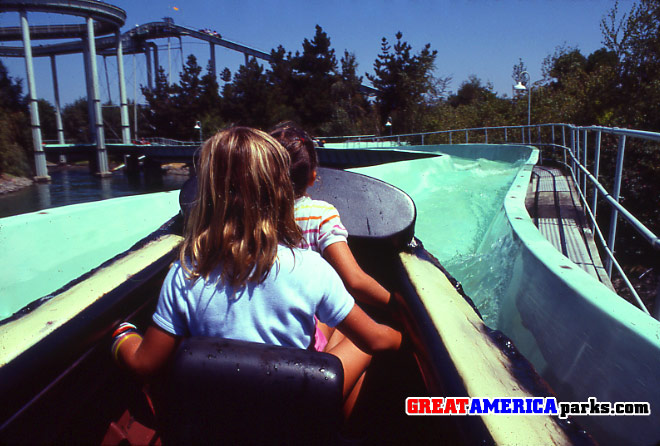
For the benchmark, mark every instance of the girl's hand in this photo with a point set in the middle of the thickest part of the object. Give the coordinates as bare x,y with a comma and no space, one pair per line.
143,356
367,334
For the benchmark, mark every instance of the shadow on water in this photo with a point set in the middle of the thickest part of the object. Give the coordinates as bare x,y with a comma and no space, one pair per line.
77,185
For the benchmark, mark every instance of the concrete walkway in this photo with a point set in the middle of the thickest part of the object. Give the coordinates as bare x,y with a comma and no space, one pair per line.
554,204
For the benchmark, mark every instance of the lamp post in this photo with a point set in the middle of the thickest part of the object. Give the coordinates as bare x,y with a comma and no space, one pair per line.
198,126
388,124
521,86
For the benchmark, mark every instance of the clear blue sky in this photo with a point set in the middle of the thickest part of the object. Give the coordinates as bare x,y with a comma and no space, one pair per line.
481,37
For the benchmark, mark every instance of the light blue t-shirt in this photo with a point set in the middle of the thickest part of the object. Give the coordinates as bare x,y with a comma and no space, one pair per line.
278,311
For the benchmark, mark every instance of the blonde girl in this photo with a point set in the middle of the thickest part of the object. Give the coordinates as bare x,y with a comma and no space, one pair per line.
240,274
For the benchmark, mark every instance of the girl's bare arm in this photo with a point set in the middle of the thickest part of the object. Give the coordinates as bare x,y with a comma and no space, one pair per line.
367,334
146,356
360,284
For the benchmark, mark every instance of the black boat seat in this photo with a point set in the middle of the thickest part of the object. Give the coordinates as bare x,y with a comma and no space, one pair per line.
236,392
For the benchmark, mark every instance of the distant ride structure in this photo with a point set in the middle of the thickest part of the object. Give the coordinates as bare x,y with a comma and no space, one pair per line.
99,35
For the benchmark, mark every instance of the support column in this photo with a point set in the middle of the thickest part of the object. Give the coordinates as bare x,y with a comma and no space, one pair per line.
58,113
212,60
135,126
154,48
169,62
123,103
183,64
107,78
39,154
147,54
88,84
101,153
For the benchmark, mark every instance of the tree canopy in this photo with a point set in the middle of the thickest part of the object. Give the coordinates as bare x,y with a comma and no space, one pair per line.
405,82
14,122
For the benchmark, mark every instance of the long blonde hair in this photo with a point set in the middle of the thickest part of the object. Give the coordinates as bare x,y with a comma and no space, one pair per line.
244,208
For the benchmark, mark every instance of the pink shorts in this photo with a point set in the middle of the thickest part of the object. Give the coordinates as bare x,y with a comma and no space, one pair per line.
319,338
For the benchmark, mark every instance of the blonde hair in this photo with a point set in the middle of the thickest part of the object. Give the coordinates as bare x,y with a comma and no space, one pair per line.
243,210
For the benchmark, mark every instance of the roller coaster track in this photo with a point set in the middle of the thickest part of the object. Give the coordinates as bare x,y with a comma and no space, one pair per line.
109,19
133,40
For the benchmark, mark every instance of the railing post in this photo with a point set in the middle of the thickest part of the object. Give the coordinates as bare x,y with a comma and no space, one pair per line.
577,153
506,137
584,160
573,148
538,128
450,133
486,135
575,144
594,202
522,132
422,139
553,134
563,136
466,137
615,194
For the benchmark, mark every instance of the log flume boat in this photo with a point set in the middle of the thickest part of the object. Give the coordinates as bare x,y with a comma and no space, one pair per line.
59,385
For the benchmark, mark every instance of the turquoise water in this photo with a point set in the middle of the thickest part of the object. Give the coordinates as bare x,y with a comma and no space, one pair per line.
459,218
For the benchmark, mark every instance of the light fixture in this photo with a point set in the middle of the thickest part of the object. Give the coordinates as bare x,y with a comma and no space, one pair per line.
519,86
523,87
388,124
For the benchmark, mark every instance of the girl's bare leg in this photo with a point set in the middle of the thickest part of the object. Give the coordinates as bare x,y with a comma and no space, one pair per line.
354,362
349,402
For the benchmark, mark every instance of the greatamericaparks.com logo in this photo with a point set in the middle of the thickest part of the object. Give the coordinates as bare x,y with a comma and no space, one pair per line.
522,406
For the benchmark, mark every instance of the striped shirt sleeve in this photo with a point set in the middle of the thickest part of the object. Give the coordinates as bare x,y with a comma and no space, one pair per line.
320,223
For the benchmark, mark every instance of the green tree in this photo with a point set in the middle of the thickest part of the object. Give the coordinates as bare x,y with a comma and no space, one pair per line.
471,91
635,39
473,105
210,102
15,148
248,99
566,63
405,82
350,115
162,112
578,89
173,110
187,95
75,118
518,69
314,74
47,120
